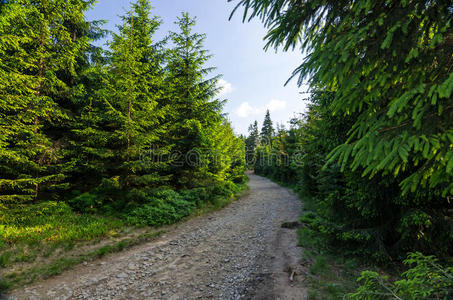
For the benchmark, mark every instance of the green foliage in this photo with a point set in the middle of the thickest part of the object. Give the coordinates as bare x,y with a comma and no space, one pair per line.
96,128
373,151
162,208
387,62
207,149
52,222
426,279
267,131
39,50
251,143
352,214
330,275
160,213
94,140
319,266
165,206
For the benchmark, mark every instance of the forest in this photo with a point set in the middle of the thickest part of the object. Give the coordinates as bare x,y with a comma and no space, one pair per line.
95,139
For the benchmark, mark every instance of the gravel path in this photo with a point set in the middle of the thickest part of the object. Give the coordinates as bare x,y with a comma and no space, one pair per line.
240,252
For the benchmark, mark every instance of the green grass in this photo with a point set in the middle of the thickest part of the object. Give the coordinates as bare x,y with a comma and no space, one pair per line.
331,275
40,229
59,265
50,230
320,266
52,222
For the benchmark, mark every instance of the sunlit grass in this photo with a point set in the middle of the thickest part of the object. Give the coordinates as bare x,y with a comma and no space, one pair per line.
61,264
52,222
41,228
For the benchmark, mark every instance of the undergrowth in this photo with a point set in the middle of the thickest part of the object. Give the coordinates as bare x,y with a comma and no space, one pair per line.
336,275
330,275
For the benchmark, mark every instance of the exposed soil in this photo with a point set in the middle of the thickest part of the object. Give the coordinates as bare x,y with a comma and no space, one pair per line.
239,252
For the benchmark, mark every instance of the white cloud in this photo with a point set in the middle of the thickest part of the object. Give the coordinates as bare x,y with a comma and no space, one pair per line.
225,87
245,109
275,105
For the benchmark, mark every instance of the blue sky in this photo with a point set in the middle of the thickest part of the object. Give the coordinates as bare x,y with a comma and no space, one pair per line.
253,79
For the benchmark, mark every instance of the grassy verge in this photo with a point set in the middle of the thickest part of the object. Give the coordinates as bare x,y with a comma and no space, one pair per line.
57,266
42,240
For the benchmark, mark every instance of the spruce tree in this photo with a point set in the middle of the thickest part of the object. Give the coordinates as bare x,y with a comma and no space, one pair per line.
192,110
76,133
382,85
89,151
39,56
251,142
389,61
267,131
133,87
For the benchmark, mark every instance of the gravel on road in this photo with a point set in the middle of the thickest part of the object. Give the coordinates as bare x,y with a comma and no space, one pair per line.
239,252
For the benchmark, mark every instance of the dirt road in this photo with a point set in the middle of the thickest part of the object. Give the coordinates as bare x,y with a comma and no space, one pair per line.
240,252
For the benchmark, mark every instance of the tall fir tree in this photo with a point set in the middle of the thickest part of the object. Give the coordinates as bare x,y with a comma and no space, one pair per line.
83,83
389,61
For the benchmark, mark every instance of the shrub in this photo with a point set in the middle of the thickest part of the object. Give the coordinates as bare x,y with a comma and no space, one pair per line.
426,279
86,203
107,196
31,215
164,207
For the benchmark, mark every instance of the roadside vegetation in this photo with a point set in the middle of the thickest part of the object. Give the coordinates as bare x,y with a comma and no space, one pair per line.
101,145
372,156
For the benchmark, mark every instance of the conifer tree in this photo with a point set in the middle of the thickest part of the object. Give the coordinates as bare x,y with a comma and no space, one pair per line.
382,80
133,87
77,132
88,150
251,143
389,61
39,55
267,131
194,114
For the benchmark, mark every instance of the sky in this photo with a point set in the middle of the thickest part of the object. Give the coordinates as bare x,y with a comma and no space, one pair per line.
252,79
